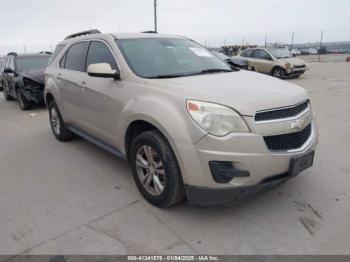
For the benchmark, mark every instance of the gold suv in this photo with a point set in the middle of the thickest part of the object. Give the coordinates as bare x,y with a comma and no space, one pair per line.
274,61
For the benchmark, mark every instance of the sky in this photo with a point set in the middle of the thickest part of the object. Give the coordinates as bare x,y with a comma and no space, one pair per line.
38,25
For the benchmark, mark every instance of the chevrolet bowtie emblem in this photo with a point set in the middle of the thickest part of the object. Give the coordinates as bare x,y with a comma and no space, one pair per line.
298,124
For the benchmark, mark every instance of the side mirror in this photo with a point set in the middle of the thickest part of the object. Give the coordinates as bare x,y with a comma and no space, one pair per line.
103,70
8,70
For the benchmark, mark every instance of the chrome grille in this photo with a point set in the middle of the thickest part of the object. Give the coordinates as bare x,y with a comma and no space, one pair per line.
282,112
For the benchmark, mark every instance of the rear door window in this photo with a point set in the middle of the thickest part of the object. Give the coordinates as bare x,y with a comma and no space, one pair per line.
100,53
76,57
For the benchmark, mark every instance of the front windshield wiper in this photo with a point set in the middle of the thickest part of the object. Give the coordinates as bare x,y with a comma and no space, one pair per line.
215,70
206,71
169,76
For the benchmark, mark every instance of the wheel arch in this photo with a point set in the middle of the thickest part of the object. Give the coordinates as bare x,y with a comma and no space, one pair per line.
48,98
142,124
275,67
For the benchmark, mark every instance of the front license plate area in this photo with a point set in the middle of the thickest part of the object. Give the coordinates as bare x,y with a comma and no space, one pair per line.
299,164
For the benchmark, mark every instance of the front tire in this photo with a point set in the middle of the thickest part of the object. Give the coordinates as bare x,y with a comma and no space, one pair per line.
23,103
58,127
279,72
155,169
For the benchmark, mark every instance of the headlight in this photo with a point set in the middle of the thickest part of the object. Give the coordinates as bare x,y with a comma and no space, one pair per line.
216,119
288,66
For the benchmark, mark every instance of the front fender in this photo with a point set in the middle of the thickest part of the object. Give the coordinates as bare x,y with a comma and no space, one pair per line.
52,88
170,117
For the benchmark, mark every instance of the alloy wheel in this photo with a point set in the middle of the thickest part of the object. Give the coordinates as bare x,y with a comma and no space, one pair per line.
150,170
55,121
277,73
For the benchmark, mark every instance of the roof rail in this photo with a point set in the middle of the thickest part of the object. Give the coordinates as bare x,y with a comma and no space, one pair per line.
88,32
12,53
149,32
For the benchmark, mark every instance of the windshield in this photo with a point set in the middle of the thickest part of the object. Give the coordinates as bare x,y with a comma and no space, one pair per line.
169,57
32,62
280,53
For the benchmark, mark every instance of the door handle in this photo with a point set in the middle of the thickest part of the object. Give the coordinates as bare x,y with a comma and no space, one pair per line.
83,83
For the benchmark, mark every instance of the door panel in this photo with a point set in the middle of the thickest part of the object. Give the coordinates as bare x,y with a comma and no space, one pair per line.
99,107
262,61
73,78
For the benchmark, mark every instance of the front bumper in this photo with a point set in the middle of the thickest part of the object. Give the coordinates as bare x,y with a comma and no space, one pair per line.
200,196
296,71
247,152
34,95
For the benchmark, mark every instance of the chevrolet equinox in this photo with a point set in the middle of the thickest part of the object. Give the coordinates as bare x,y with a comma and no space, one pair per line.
190,125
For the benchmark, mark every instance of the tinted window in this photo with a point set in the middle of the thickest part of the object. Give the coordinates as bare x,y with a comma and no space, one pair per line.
32,62
247,53
76,57
100,53
56,52
261,54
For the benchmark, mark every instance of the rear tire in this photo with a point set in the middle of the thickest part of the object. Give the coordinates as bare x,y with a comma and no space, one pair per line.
279,72
58,127
155,169
23,103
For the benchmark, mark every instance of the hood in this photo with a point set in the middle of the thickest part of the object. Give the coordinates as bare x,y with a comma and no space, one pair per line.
294,61
247,92
239,61
35,75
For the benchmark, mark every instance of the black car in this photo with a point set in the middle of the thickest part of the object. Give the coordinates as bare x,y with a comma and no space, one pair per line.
2,63
233,61
23,78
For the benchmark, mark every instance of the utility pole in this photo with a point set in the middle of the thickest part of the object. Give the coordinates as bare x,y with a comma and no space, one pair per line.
291,45
265,40
155,16
319,51
24,48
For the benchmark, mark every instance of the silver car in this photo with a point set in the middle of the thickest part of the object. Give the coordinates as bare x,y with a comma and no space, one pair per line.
189,125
